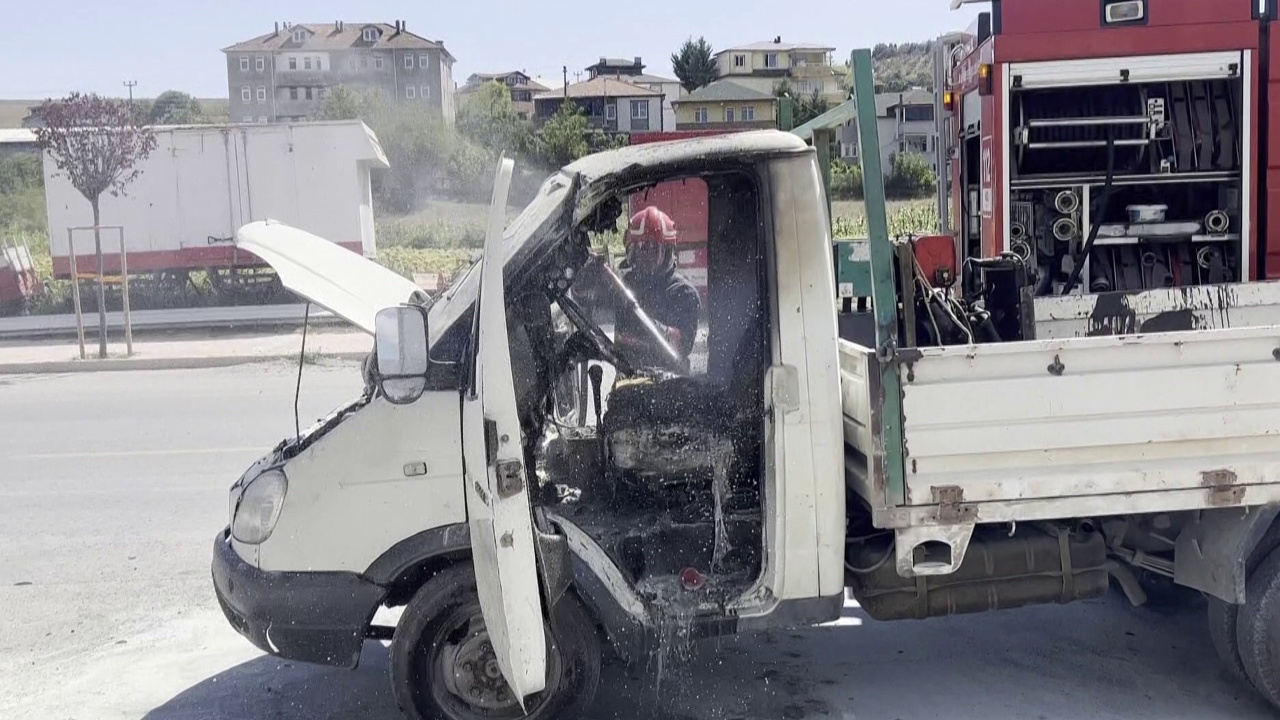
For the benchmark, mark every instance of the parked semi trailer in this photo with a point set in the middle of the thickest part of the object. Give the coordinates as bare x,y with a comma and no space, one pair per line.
203,182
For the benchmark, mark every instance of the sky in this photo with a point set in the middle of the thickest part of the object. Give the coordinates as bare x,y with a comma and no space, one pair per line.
94,46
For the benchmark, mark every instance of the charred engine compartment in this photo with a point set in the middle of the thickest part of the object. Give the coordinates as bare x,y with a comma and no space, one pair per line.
1126,186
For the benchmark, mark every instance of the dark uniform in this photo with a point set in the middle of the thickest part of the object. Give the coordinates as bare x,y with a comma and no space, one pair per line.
669,300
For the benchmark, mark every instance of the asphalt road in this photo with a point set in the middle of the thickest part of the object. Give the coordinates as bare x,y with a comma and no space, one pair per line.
112,486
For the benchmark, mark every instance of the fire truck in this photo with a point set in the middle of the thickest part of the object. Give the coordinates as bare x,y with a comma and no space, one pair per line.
1116,158
1114,145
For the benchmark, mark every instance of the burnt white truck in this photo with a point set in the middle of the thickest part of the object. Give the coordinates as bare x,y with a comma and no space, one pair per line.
528,493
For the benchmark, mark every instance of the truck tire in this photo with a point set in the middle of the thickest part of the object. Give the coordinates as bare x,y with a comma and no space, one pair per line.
443,667
1258,628
1222,618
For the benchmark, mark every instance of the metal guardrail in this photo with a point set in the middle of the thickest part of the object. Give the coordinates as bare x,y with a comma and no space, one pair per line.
246,317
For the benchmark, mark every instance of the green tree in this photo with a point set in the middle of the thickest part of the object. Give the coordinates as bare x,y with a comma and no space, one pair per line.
22,209
96,143
563,138
428,160
488,117
805,107
345,103
173,107
19,172
695,64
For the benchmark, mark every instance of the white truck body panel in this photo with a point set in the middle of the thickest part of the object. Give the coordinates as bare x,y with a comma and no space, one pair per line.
350,498
497,481
810,503
1080,427
204,182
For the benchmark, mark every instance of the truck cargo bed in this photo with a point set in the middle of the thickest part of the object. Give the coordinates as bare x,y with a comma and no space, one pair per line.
1070,427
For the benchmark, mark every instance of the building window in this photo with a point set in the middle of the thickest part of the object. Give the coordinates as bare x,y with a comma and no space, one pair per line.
377,62
262,119
410,92
748,113
739,61
424,92
247,118
639,109
293,93
309,94
611,112
917,113
262,94
246,94
370,34
424,62
293,63
260,63
700,115
408,62
917,143
300,35
771,60
244,64
353,63
728,115
306,63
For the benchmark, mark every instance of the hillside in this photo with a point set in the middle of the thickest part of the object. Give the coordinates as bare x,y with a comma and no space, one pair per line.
13,111
900,67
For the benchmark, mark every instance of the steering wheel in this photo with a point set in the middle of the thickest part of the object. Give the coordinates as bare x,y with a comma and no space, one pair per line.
607,350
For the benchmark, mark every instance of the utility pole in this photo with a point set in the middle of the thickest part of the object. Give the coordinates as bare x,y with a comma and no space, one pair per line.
565,69
130,84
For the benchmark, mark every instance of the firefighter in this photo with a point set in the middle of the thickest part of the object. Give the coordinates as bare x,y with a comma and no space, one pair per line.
664,295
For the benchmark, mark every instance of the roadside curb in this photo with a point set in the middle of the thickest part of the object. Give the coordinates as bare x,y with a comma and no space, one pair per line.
179,363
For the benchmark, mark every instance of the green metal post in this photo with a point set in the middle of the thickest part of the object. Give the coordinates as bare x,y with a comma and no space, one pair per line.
822,138
786,114
884,295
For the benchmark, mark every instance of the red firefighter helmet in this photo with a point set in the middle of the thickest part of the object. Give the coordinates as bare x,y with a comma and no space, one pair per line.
652,225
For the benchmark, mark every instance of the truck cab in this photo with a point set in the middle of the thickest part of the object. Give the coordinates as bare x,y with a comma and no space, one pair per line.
525,484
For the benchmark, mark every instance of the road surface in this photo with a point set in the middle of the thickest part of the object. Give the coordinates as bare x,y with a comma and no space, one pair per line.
113,485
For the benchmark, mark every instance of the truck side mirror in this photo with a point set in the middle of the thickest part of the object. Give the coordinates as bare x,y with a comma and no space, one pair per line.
400,337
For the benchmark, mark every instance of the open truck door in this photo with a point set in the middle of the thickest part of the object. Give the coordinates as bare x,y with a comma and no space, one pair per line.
497,480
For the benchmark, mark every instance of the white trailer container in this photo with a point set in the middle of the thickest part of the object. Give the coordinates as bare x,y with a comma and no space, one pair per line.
204,182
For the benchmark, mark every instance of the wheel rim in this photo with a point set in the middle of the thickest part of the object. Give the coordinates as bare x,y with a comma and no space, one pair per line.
466,678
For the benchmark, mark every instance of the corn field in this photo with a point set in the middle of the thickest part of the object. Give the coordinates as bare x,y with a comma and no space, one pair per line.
914,218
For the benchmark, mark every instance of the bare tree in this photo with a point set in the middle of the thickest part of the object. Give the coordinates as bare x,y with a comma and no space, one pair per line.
95,142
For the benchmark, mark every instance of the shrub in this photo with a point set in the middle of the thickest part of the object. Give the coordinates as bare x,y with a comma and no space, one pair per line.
846,181
909,177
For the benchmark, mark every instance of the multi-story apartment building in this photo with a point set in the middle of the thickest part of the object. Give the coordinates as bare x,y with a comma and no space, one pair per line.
521,87
286,74
725,105
609,104
632,71
761,66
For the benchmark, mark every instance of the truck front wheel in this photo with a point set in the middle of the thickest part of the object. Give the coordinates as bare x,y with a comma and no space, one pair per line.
443,666
1258,628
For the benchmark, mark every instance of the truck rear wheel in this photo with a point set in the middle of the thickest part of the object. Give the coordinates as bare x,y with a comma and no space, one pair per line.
1258,628
443,666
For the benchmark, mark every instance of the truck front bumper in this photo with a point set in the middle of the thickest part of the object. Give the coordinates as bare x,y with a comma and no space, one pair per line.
315,617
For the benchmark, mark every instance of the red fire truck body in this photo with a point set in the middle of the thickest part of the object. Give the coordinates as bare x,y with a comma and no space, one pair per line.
1126,136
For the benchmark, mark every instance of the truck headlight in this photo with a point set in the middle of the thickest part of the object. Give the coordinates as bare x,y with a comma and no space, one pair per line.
259,507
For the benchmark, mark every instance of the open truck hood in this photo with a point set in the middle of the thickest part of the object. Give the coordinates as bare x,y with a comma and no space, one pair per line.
327,274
